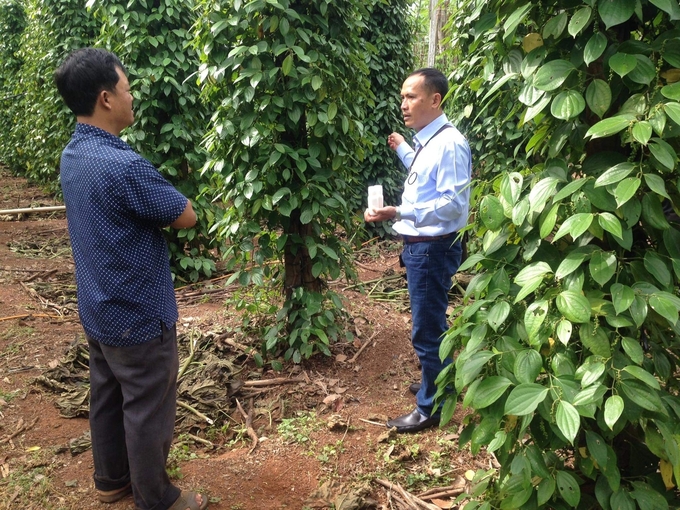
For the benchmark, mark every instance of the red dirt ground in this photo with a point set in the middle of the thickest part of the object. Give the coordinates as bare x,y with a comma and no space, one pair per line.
37,470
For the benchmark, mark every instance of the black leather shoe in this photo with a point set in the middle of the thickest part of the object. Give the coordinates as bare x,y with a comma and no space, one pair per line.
413,422
414,388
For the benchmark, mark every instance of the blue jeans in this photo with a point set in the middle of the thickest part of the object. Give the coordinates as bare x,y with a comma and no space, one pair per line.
430,265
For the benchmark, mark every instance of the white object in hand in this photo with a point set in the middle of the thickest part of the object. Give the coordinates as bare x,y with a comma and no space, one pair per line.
375,197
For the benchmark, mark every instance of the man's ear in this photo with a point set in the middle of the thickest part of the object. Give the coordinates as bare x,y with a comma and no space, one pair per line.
437,100
103,99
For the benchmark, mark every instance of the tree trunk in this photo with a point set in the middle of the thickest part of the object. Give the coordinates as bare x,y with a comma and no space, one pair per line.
432,38
297,262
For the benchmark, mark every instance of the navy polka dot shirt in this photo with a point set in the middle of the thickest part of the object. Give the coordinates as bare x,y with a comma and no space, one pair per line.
116,205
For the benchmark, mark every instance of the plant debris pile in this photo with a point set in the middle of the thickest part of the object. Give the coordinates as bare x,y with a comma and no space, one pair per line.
204,387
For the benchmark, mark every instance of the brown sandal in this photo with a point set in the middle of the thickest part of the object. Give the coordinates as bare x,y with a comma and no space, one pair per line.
114,495
188,500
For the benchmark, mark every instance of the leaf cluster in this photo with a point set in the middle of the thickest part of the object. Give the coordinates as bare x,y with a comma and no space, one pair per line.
41,124
567,344
152,39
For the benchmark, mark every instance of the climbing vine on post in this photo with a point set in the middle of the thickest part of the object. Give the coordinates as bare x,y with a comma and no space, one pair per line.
567,344
285,142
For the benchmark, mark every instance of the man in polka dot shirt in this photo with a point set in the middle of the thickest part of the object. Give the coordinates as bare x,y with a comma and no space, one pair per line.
116,206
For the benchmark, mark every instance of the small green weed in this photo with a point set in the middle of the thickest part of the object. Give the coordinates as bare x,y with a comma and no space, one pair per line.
180,452
331,451
298,429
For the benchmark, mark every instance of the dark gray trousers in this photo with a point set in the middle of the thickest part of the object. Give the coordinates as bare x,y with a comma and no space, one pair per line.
133,396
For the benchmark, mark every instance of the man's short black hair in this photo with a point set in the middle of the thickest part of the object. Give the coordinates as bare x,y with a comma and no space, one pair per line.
83,75
434,80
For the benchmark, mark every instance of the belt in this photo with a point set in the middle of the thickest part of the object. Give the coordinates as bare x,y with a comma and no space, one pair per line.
425,239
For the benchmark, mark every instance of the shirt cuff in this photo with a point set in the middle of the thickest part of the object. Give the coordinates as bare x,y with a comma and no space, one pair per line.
406,213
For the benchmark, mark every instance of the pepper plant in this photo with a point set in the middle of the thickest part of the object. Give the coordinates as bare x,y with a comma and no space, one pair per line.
152,40
566,346
42,124
12,25
290,83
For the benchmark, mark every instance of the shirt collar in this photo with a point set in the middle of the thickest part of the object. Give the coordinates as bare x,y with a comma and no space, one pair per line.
424,135
90,130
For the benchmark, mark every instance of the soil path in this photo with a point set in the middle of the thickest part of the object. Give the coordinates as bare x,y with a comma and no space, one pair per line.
317,448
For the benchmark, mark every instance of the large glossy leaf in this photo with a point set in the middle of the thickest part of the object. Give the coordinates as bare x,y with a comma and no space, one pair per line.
563,331
555,26
622,297
622,63
633,349
642,375
525,398
644,72
574,306
534,317
569,189
642,131
610,223
596,447
663,152
615,174
568,487
490,390
520,211
568,420
511,187
575,225
545,490
534,110
571,263
567,105
664,307
625,190
541,192
528,365
613,408
469,370
602,266
669,6
640,394
552,74
638,310
534,270
530,286
648,497
673,111
548,222
599,96
579,21
594,48
657,268
615,12
657,185
610,126
491,212
621,500
515,19
652,212
595,339
497,315
671,91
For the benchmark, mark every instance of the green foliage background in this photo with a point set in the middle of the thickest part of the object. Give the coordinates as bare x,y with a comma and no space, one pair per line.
40,122
12,26
567,343
152,40
273,156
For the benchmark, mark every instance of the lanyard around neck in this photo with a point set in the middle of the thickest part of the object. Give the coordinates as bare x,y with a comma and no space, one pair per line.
445,126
